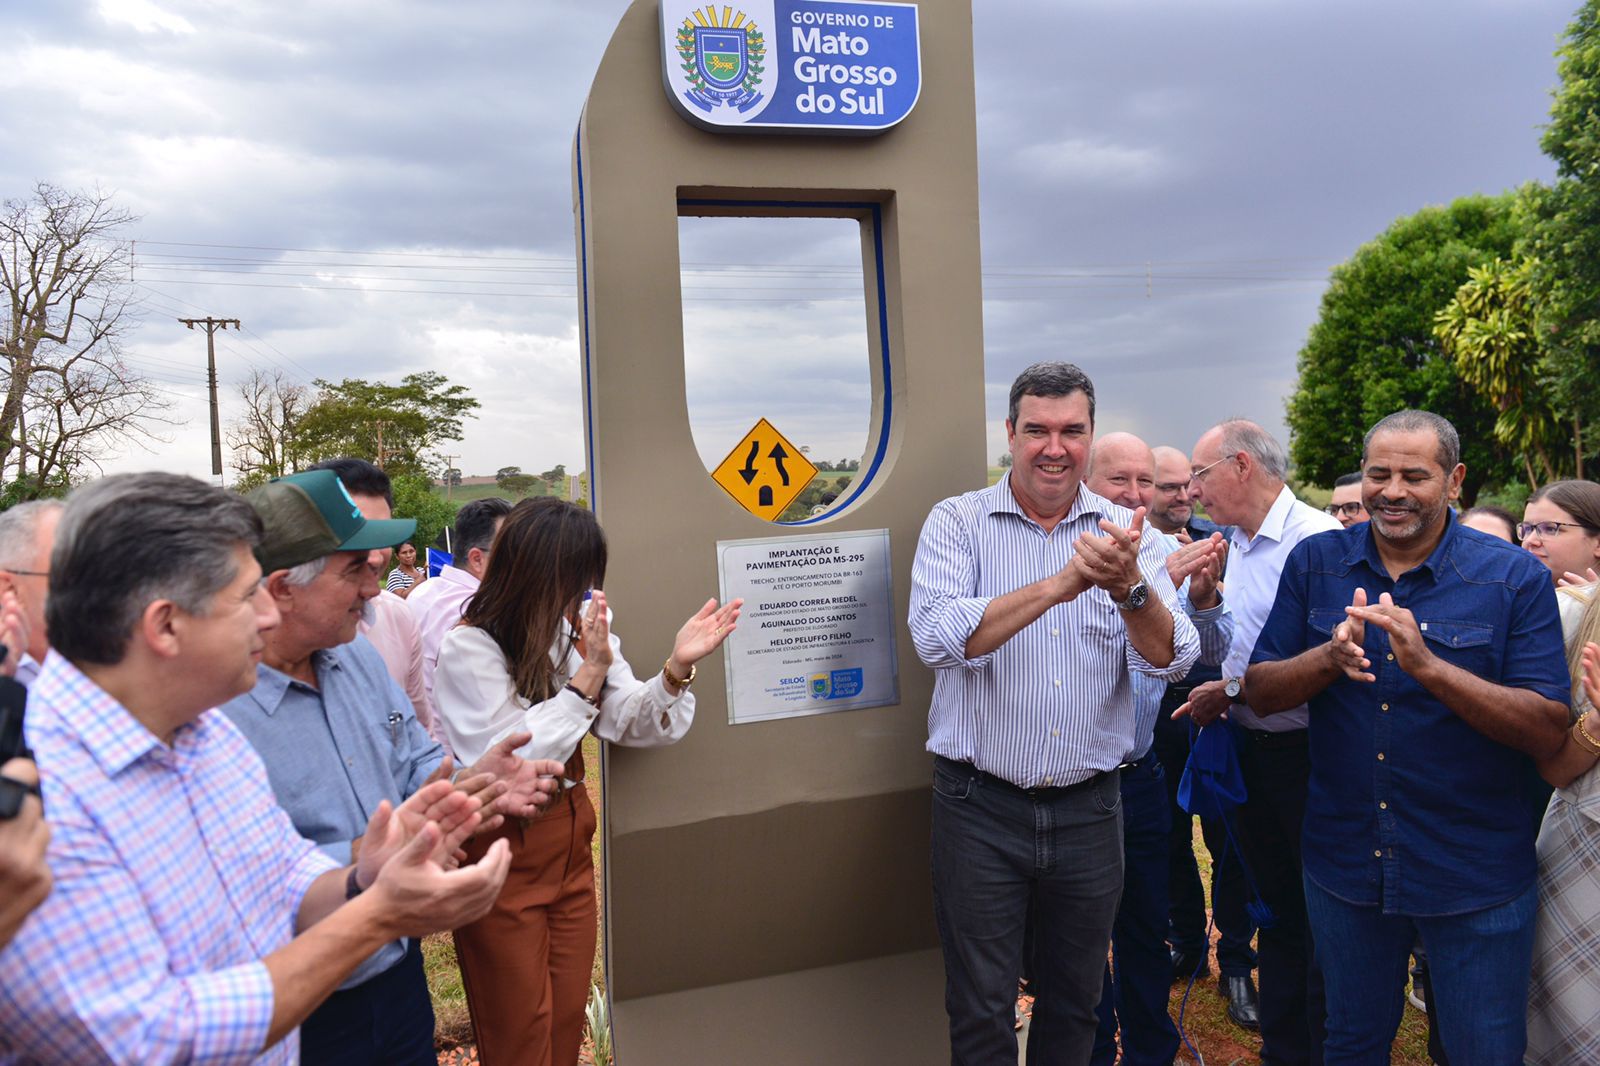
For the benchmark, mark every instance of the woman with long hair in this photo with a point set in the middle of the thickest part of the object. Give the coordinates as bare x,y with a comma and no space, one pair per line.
534,652
1565,987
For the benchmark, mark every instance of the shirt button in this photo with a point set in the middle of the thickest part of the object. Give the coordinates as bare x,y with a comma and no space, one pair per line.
1385,707
1048,780
1380,756
1058,682
1377,854
1390,656
1382,806
1055,632
1055,732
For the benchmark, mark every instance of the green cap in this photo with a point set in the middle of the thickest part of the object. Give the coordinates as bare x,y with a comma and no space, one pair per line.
310,515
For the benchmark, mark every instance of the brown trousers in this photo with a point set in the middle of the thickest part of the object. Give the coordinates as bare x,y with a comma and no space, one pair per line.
527,963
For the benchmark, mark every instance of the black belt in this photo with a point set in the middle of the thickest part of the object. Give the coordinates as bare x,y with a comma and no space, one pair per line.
1142,761
1265,739
1039,792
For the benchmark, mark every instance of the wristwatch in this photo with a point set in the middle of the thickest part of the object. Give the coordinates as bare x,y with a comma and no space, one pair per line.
1234,687
1137,595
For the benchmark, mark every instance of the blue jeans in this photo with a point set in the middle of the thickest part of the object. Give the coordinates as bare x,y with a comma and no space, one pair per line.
1139,978
1478,964
998,849
1236,957
386,1019
1276,768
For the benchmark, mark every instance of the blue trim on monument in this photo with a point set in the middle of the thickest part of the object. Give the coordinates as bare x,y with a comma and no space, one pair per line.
880,452
583,311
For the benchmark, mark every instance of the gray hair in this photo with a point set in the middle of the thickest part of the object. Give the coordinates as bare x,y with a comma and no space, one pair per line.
128,540
1242,435
1050,379
19,531
304,574
1412,421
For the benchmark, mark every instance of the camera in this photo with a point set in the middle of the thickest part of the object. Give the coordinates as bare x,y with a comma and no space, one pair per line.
13,745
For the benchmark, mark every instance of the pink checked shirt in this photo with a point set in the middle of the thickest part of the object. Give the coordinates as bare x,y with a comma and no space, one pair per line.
176,873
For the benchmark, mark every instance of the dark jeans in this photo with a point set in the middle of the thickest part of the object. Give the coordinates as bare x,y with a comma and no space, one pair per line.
385,1020
1276,768
1479,965
1187,911
996,850
1139,979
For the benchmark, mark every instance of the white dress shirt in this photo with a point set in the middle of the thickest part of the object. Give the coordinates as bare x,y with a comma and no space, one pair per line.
478,704
1254,566
436,605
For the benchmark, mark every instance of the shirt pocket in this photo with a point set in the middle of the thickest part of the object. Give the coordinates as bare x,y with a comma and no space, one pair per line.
1469,645
1322,621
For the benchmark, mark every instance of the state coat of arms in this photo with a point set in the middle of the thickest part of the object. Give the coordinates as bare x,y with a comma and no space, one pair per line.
723,59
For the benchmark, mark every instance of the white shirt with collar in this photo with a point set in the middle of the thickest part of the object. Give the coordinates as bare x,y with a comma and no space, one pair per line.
1254,566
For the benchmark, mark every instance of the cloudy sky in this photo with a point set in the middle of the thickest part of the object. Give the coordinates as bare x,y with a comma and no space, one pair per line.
376,188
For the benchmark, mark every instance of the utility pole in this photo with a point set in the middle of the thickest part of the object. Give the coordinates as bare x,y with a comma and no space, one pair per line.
449,483
211,326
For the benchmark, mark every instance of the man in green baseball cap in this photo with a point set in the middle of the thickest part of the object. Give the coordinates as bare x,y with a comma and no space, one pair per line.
339,738
310,515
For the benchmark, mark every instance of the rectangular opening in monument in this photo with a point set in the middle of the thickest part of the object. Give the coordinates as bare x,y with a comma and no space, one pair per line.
774,329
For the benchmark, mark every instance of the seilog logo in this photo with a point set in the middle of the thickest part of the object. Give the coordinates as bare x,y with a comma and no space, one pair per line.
792,66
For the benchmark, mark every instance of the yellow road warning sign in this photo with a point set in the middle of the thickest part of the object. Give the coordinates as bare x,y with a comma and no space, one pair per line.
764,472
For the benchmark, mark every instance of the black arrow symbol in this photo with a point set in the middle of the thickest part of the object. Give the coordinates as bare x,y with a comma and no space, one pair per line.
778,455
749,471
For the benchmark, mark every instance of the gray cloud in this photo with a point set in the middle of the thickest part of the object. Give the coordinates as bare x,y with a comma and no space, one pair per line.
1239,149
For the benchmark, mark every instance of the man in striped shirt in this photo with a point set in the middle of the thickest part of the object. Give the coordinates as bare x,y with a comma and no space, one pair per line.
1035,600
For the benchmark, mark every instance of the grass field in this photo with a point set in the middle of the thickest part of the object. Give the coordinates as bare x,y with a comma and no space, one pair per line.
462,493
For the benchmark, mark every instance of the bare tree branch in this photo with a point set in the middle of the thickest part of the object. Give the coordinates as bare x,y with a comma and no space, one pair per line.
69,397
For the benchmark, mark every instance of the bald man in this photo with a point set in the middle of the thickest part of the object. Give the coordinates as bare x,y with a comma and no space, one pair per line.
1122,468
1172,512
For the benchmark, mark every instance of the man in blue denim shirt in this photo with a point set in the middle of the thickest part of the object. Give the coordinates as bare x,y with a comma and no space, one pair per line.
1432,661
338,737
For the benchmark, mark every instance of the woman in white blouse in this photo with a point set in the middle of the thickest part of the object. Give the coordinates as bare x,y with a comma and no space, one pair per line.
532,653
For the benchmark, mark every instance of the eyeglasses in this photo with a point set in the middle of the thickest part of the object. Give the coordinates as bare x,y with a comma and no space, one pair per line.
1172,488
1352,508
1196,475
1545,530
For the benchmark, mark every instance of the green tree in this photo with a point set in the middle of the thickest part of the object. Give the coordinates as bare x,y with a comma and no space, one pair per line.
505,472
521,484
1565,237
414,498
1004,462
1372,350
396,426
1488,330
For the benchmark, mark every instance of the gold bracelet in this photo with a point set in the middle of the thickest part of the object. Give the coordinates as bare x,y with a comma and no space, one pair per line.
676,682
1581,735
